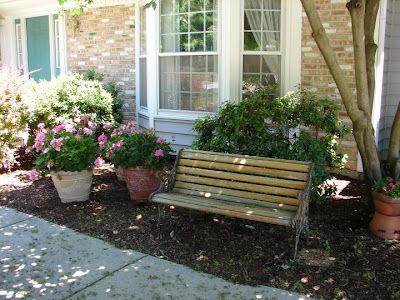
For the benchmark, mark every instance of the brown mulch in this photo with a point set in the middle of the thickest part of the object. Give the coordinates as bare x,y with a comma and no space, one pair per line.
341,259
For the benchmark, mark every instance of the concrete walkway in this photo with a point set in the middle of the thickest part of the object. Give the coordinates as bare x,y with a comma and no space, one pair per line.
42,260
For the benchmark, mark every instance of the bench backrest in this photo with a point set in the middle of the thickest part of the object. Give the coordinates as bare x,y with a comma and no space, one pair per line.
217,175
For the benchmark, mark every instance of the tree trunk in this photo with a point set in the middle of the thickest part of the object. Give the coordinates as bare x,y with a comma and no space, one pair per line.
371,13
394,146
358,109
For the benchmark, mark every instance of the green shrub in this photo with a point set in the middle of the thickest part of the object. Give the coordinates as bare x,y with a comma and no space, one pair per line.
13,115
297,126
112,88
69,96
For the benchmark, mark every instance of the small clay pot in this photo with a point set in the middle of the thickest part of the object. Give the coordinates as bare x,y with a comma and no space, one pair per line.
386,221
141,183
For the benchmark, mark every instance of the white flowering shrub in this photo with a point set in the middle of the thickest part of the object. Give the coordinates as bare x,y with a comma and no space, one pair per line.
13,114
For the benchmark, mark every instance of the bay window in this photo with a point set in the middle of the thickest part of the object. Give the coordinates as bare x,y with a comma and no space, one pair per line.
202,53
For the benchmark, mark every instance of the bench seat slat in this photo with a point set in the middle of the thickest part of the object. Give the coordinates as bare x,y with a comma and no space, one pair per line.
243,194
244,169
218,208
235,199
247,160
238,185
242,177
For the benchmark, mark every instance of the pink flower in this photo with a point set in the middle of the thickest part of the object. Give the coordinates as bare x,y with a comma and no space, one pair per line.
92,124
159,153
84,118
39,140
106,126
40,126
99,162
69,128
78,136
46,150
392,186
56,143
33,175
58,128
102,139
384,189
391,180
160,140
87,131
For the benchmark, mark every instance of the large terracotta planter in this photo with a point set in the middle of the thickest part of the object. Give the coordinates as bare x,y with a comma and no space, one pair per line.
141,183
386,221
73,186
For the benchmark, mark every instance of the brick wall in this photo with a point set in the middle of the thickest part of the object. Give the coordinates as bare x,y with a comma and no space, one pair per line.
105,42
314,72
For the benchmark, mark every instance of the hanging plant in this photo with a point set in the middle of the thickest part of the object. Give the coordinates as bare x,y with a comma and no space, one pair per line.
74,9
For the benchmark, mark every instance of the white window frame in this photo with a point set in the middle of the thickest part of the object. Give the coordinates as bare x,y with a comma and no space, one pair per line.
57,44
230,56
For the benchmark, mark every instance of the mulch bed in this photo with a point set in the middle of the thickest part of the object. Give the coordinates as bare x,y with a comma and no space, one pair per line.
341,259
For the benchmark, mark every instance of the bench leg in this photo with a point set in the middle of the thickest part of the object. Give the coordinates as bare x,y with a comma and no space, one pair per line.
296,245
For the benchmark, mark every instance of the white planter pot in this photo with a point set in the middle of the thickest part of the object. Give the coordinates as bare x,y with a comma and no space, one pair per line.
120,174
73,186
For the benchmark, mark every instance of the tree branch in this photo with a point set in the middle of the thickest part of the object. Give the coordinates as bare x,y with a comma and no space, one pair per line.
371,13
357,14
319,35
394,146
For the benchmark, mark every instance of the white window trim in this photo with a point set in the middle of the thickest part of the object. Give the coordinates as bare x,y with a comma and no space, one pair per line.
230,56
57,44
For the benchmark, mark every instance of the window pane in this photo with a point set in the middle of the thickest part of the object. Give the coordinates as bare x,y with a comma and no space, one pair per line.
260,70
196,5
143,82
167,7
192,79
272,41
252,20
196,18
197,22
262,25
253,4
143,31
272,4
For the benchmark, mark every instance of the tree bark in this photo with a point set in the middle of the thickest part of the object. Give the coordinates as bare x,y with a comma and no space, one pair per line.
394,146
357,109
371,13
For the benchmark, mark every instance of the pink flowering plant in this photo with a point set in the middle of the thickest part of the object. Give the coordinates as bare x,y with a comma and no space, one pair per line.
69,146
389,187
130,148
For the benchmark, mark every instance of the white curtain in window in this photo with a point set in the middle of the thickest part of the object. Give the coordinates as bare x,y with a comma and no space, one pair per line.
271,21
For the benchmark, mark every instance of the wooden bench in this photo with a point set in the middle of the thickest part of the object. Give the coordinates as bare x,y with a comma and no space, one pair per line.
262,189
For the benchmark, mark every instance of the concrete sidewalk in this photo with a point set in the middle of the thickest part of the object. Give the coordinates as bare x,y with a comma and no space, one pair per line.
42,260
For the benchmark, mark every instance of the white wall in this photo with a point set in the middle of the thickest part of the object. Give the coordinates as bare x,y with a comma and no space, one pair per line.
391,77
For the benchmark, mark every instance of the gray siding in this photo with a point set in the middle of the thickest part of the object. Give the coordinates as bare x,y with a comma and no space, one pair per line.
391,77
179,132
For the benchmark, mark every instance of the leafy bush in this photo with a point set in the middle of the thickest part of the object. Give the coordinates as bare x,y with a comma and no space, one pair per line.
297,126
112,88
13,114
67,97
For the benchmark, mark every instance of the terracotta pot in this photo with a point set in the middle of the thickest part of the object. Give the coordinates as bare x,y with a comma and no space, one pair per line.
73,186
141,183
386,221
120,174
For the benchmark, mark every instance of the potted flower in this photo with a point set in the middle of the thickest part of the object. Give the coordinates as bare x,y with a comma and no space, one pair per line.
386,221
142,155
68,152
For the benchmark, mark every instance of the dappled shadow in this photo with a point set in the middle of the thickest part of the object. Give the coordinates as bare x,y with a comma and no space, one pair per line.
38,260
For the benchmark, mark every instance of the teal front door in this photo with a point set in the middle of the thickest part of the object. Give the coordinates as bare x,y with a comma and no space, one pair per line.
38,44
